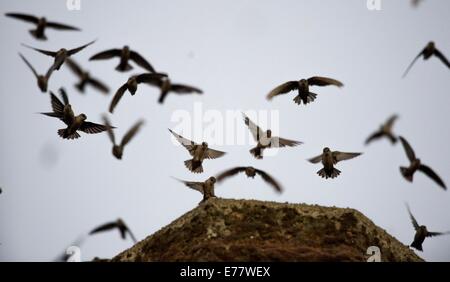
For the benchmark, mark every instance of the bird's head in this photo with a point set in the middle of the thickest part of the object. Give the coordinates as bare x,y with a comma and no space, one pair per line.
42,83
83,117
431,44
326,150
212,179
269,133
204,145
126,48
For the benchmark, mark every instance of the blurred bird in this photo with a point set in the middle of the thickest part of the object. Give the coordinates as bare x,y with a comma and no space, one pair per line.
250,172
415,3
117,150
42,80
265,139
206,188
416,164
132,85
304,95
384,131
426,53
61,55
85,78
421,232
41,24
64,112
118,224
125,55
329,159
66,255
199,152
166,86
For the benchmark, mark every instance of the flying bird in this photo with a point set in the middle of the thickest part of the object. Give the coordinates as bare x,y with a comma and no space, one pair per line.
199,152
329,159
64,112
421,232
85,78
206,188
61,55
117,149
426,53
416,164
384,131
132,85
250,172
66,255
120,225
265,139
41,24
166,86
42,80
125,55
302,86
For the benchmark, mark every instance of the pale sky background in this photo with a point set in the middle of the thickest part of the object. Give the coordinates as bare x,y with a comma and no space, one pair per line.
236,51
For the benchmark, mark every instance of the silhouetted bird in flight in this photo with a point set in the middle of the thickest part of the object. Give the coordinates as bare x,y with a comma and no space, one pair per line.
120,225
384,131
329,159
42,80
416,164
132,85
250,172
206,188
166,86
421,232
125,55
199,152
41,24
64,112
265,139
426,53
85,78
304,95
61,55
117,149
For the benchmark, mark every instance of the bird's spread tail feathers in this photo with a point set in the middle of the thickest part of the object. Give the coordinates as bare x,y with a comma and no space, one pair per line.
35,34
80,86
63,133
309,98
194,166
417,245
126,67
406,174
326,174
256,152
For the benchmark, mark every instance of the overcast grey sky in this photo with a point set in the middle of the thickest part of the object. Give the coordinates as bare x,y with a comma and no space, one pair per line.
236,51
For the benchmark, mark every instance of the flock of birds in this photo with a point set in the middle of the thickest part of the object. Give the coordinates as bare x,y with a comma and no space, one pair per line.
199,152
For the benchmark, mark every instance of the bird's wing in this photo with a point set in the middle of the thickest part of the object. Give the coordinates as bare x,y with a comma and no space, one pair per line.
256,131
390,122
131,133
61,26
29,65
45,52
154,79
278,142
185,89
108,54
213,154
99,85
269,179
188,144
441,56
230,172
78,49
193,185
433,234
430,173
413,220
104,227
342,156
374,136
324,81
138,59
283,89
92,128
50,71
57,105
412,63
74,67
117,97
316,159
408,149
109,129
131,235
64,95
24,17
